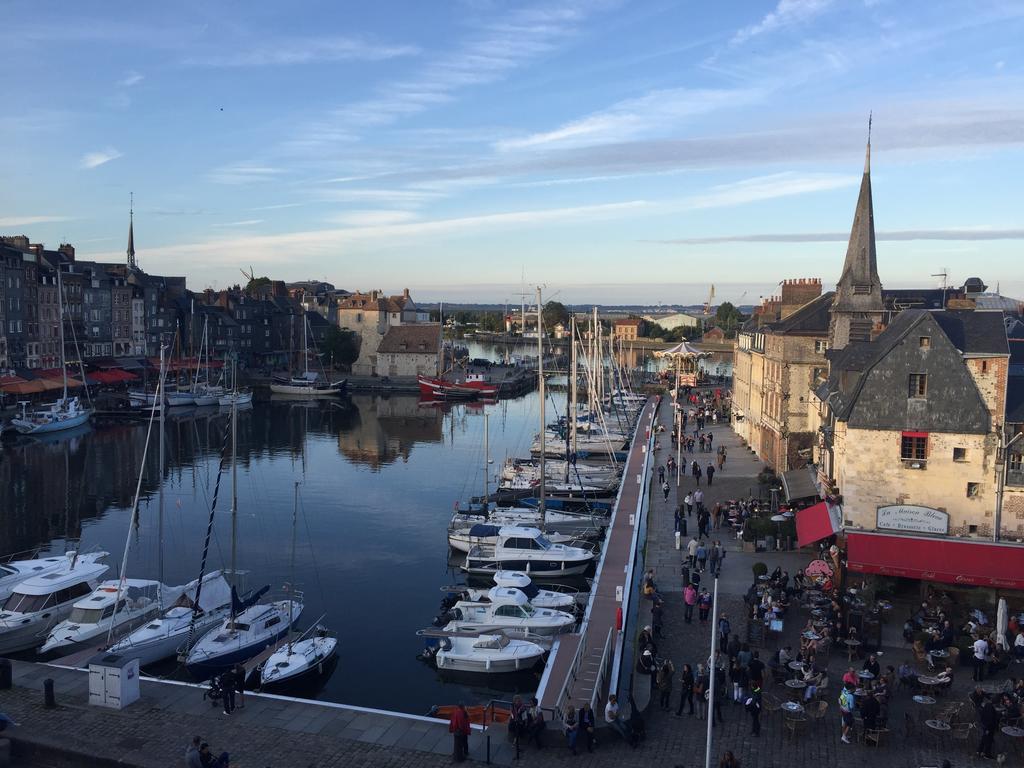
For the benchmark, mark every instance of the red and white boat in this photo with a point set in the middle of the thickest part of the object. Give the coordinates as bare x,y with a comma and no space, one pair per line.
442,389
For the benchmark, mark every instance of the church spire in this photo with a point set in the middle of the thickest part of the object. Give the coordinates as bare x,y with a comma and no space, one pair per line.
858,302
131,233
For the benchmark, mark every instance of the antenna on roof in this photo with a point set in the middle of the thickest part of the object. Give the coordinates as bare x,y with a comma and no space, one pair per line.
944,274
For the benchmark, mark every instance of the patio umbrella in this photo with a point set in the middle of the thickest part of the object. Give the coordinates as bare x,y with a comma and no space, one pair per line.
1001,623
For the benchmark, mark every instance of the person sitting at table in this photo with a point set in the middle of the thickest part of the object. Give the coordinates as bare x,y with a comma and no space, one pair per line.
945,678
909,630
813,680
785,656
871,665
978,697
809,656
645,641
776,575
1011,710
1018,689
906,675
851,677
998,659
869,710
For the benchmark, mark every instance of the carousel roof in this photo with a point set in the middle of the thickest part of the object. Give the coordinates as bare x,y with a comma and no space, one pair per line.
682,349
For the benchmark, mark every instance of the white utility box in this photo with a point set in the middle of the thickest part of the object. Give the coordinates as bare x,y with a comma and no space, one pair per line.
113,680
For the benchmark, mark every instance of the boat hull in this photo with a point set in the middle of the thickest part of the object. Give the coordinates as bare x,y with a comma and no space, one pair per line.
535,569
309,393
155,649
28,428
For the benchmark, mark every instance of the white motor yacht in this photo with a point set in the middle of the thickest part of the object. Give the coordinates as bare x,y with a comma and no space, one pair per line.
112,609
13,572
181,625
36,605
237,639
539,598
464,534
526,549
508,608
490,654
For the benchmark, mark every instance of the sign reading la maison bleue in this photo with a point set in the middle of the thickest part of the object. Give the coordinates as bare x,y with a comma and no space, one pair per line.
910,517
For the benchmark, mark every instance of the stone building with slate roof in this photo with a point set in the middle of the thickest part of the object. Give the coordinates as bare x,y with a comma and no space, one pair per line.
914,418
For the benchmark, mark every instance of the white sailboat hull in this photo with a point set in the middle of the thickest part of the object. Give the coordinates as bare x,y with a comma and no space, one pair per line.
29,427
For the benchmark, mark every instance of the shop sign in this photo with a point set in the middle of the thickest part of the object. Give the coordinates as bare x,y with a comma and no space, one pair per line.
910,517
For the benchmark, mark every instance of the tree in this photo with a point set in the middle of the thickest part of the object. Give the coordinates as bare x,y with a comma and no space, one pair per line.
256,283
728,318
554,313
341,347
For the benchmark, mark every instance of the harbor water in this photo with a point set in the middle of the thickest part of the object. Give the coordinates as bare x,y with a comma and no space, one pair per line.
379,477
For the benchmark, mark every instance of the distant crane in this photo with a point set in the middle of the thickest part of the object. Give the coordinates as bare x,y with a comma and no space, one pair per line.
711,298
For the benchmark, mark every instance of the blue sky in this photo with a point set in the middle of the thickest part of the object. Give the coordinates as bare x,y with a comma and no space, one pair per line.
616,152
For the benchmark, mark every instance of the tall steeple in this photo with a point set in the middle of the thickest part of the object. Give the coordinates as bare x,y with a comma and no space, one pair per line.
131,234
858,302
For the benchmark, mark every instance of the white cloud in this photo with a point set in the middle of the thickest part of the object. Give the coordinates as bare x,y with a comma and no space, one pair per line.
96,159
24,221
131,78
245,223
769,187
372,218
243,173
284,52
655,112
961,234
787,12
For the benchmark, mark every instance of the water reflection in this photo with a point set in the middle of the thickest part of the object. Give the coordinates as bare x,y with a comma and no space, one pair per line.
379,476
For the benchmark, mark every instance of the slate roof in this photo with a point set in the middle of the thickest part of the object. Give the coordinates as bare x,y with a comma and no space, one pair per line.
1015,400
419,338
972,333
811,318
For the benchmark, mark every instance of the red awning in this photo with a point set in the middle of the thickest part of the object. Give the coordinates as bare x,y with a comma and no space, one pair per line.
949,561
818,522
111,376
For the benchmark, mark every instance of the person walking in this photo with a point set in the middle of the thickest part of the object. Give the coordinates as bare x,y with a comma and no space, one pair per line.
459,728
713,557
688,501
240,676
846,706
698,499
695,471
704,605
728,760
227,689
665,489
689,600
988,719
753,705
700,689
711,472
661,474
666,675
721,558
702,557
724,627
691,550
980,657
685,689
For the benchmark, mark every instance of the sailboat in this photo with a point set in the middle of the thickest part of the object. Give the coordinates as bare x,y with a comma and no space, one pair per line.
203,392
309,384
236,396
304,661
252,626
201,603
65,413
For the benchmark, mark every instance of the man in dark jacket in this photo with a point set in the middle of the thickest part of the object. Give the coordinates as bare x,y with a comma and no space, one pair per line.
988,719
586,725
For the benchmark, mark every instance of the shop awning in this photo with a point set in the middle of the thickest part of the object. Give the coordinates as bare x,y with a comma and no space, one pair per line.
818,522
983,564
799,484
111,376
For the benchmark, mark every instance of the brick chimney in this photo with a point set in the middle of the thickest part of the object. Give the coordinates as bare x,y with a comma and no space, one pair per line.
16,241
68,250
405,293
797,292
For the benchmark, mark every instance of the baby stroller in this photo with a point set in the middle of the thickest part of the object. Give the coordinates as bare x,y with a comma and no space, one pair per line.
215,693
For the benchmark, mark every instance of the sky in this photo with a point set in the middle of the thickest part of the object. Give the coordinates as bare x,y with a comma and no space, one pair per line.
613,152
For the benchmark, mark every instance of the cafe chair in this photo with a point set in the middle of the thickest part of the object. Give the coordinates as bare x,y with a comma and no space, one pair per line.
919,652
909,725
963,734
874,736
954,656
816,711
794,724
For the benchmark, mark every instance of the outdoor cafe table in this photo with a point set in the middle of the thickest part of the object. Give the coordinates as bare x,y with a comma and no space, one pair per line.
992,689
866,674
792,706
852,646
811,636
796,666
929,683
795,686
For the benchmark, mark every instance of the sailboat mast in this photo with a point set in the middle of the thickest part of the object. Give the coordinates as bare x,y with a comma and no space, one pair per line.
60,315
487,485
572,391
291,598
234,500
305,344
160,505
540,386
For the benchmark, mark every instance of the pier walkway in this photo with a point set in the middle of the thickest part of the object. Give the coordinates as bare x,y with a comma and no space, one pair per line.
580,663
270,731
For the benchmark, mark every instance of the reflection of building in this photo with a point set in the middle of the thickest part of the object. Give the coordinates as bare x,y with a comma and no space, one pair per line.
387,428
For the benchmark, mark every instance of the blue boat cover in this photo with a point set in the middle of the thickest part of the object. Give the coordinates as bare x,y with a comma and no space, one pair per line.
482,529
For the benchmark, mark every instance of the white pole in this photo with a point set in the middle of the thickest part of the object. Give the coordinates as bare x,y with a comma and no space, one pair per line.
711,672
487,490
540,386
